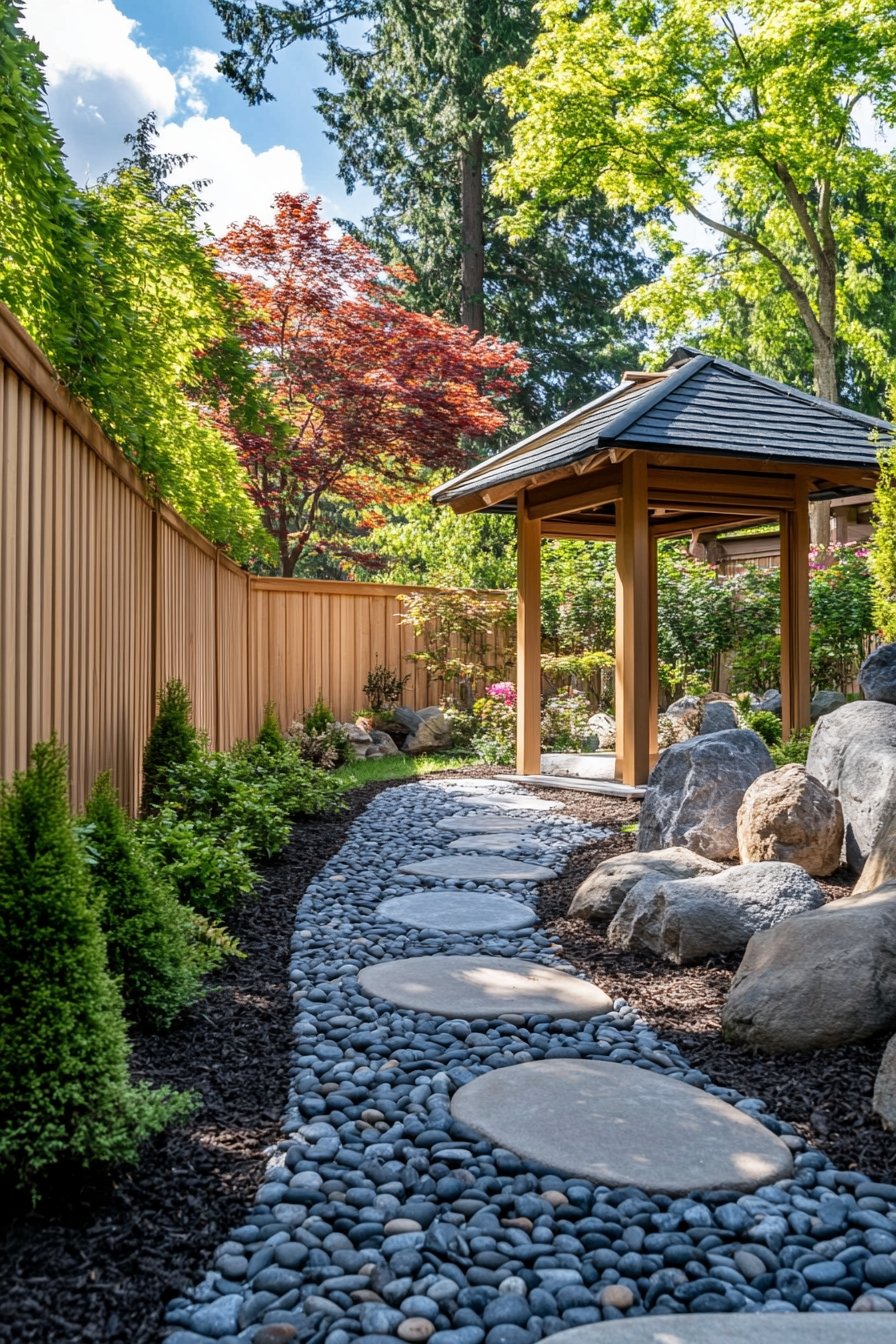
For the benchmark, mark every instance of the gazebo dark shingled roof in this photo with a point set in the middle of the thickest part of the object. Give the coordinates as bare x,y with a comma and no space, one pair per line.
701,446
699,404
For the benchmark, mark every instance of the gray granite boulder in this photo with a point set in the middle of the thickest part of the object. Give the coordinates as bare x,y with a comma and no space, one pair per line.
385,743
718,717
853,753
699,917
818,980
771,701
601,730
790,817
433,733
877,675
604,890
884,1100
408,719
695,790
825,702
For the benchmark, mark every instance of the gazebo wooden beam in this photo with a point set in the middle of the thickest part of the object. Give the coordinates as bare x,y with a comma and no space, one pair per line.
577,500
528,642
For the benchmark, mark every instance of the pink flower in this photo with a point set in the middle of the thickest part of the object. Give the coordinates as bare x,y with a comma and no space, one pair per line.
505,691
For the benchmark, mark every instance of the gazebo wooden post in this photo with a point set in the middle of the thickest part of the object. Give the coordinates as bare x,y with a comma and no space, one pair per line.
528,642
795,683
633,624
653,658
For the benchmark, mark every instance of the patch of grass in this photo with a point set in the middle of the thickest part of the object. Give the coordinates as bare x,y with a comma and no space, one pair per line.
359,772
630,828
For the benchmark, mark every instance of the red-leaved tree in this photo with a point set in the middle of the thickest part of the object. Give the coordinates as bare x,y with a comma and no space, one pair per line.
364,396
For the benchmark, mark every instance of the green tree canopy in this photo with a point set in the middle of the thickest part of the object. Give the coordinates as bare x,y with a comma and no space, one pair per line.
746,118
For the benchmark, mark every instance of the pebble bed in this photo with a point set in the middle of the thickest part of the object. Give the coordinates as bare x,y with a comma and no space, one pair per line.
382,1218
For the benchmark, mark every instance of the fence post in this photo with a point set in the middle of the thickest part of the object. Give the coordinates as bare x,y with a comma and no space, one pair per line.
217,669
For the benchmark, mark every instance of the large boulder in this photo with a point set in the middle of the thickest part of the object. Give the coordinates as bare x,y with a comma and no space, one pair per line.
384,742
818,980
604,890
718,717
853,753
771,701
884,1100
704,916
432,734
696,789
790,817
877,675
825,702
601,729
684,715
408,719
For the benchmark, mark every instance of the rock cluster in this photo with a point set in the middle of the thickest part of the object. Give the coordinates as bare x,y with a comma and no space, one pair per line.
686,919
603,891
694,792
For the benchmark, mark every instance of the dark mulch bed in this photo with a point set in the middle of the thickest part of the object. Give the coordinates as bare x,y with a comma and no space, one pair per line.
825,1095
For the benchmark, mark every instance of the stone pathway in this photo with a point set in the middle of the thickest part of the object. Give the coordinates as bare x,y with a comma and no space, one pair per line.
472,912
385,1215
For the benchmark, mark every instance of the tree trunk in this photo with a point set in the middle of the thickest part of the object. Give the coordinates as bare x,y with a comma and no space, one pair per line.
824,370
472,263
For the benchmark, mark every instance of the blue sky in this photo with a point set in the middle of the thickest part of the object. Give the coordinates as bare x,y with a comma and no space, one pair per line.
109,62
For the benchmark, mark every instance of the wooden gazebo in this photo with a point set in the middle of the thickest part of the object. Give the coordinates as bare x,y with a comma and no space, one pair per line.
703,444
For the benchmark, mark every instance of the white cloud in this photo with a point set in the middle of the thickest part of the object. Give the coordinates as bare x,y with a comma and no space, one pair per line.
242,182
101,81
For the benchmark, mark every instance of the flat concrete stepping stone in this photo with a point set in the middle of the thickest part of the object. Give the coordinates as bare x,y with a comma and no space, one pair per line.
471,987
502,842
510,802
483,824
458,911
616,1124
738,1328
479,868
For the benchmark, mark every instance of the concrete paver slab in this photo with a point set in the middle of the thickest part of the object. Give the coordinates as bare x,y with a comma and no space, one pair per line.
470,987
738,1328
511,802
458,911
501,842
479,868
483,824
619,1125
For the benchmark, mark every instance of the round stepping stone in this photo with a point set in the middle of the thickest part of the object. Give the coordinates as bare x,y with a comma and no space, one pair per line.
471,987
737,1328
458,911
506,802
499,843
483,824
481,868
616,1124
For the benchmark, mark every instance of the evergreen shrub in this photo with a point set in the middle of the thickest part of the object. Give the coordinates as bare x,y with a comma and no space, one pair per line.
269,734
172,741
157,949
65,1094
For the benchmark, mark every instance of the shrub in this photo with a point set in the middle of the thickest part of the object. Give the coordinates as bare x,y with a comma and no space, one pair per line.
564,722
765,723
156,949
269,734
319,717
318,738
494,741
290,783
794,751
234,796
384,688
172,741
209,870
756,664
65,1095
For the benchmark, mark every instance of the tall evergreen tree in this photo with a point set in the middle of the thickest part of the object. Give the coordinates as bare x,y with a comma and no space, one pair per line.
416,119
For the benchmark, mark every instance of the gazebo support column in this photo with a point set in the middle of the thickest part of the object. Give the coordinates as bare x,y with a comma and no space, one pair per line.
635,596
528,642
795,686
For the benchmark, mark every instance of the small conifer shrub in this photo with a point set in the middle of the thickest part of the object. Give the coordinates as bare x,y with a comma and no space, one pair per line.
172,741
269,734
65,1094
157,951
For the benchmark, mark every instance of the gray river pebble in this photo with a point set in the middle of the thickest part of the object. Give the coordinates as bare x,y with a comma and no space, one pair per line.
379,1209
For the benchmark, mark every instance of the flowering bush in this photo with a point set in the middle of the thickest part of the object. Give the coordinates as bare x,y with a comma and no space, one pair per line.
495,714
505,691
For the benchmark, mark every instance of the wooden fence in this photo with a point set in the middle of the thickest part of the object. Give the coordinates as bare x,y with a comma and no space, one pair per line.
106,595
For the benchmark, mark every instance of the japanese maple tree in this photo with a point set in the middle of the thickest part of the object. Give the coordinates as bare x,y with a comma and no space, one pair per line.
364,396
